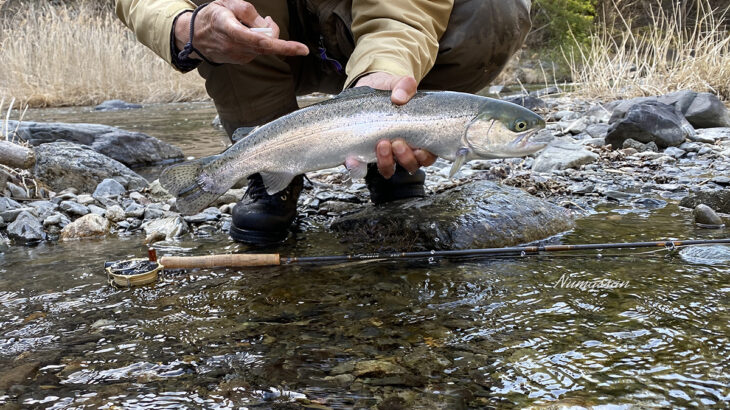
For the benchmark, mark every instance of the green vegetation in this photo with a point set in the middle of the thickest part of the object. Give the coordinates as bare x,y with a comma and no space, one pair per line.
557,23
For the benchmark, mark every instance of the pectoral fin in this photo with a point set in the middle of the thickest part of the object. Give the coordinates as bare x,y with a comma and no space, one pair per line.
276,181
356,168
459,160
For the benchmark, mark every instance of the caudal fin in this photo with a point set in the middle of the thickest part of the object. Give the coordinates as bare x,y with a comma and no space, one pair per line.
182,180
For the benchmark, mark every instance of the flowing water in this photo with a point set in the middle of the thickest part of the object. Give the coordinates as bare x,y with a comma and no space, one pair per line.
509,332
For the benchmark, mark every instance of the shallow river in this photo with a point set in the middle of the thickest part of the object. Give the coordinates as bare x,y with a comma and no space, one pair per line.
450,334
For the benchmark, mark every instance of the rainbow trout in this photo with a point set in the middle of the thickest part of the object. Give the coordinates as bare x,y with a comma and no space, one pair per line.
345,129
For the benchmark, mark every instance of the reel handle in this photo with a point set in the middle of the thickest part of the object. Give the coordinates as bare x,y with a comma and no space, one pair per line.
218,261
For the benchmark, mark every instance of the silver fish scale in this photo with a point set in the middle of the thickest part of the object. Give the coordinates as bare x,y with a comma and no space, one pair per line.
325,134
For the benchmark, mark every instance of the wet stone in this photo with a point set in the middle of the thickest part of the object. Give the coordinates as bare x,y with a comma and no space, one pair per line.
208,215
474,215
85,199
171,227
9,209
16,191
705,215
42,209
718,200
74,208
563,155
56,219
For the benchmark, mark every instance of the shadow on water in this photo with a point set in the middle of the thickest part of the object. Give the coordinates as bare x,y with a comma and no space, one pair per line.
448,334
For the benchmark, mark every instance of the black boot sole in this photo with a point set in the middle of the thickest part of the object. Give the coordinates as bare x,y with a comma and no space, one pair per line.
260,238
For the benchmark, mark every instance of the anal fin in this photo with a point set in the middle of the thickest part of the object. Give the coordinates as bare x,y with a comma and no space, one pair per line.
276,181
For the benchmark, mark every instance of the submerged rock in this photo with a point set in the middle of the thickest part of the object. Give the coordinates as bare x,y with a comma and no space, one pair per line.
476,215
706,255
91,225
62,164
116,105
706,216
170,227
127,147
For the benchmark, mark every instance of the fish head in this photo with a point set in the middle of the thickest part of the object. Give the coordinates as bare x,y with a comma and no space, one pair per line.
504,130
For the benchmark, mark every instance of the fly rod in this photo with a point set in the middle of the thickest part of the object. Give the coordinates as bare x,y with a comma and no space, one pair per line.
244,260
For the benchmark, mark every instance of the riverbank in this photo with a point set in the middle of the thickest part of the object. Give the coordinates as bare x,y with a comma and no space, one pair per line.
578,171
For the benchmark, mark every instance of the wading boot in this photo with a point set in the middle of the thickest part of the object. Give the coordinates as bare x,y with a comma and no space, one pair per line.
263,219
401,185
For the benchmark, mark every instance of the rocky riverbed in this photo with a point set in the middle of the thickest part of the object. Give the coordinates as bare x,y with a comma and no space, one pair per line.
643,152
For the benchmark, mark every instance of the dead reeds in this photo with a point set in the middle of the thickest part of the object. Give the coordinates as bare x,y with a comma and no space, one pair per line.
669,54
63,55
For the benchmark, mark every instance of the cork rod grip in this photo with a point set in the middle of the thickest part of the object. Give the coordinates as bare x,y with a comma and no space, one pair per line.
218,261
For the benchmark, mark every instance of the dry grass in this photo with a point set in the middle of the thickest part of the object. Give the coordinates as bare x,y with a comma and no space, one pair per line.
54,56
668,55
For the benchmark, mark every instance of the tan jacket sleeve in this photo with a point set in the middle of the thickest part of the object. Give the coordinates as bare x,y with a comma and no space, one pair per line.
400,37
151,21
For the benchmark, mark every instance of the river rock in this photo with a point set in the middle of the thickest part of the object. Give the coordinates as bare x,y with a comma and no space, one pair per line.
9,209
639,146
674,152
115,213
711,135
529,102
718,200
116,105
706,216
707,111
16,191
649,121
26,228
127,147
108,187
63,164
134,210
475,215
91,225
42,209
563,155
157,193
74,208
171,227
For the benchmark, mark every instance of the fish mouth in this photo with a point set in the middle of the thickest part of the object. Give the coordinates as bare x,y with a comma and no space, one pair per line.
524,142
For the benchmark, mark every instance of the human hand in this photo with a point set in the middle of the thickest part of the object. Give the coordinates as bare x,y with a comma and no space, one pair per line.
222,33
404,88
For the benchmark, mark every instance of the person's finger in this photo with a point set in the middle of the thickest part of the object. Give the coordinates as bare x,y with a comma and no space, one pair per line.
273,26
245,12
386,164
404,88
261,43
425,158
404,155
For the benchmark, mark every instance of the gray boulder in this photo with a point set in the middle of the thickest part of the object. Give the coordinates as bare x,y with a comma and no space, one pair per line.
63,164
129,148
702,110
649,121
475,215
563,155
26,228
116,105
74,208
718,200
9,209
707,111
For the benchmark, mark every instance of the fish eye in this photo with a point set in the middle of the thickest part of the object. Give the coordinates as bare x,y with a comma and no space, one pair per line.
520,125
